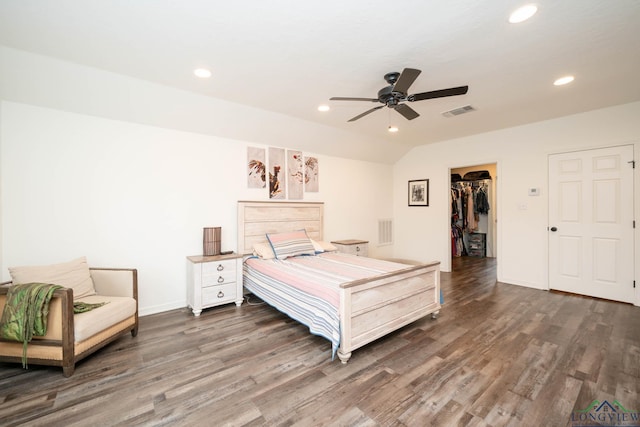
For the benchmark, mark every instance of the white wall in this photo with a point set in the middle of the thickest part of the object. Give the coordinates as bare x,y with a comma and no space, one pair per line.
131,195
128,172
521,154
48,82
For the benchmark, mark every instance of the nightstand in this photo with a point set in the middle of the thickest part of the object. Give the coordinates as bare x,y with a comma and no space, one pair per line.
213,280
352,246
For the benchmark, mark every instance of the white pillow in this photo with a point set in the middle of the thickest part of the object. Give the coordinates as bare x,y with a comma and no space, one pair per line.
321,246
263,250
73,274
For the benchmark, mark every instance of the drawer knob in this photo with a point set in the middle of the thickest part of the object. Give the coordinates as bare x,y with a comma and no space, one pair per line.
220,267
220,279
220,294
357,248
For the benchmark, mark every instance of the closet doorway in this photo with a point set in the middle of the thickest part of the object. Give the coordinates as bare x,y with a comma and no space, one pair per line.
473,212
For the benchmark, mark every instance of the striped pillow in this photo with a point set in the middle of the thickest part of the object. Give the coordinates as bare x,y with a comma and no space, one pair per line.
291,244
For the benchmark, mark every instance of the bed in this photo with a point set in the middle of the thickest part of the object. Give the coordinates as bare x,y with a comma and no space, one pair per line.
329,292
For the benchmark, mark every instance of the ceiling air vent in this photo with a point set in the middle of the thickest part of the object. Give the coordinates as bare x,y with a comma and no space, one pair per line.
458,111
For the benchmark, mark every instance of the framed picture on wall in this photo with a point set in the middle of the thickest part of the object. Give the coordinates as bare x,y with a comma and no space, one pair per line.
419,192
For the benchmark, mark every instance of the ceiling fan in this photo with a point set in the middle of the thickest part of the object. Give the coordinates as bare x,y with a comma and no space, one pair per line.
396,93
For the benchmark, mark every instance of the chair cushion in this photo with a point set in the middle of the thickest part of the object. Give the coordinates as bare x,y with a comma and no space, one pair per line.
73,274
91,322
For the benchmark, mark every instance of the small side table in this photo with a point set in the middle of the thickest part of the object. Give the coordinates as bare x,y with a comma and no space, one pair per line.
352,246
213,280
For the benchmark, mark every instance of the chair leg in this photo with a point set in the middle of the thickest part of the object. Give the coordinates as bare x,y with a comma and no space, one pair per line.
67,371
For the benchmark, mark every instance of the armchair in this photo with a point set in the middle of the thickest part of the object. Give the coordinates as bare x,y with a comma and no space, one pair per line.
71,337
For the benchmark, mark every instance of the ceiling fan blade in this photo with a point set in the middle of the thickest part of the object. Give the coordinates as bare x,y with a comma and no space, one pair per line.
342,98
406,79
460,90
359,116
408,112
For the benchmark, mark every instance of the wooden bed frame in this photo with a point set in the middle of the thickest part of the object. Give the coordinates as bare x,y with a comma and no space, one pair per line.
369,308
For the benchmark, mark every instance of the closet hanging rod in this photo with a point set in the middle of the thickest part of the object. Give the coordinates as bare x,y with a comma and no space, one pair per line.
474,184
471,180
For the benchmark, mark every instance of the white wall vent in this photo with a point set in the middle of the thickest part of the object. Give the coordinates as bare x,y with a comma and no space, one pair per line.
458,111
385,232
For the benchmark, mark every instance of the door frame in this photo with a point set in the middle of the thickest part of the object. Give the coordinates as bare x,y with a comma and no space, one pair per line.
497,191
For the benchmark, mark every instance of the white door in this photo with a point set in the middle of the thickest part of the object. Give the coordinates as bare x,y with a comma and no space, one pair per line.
591,223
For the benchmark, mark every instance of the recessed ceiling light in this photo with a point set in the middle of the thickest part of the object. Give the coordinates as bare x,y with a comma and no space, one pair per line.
323,108
203,73
563,80
523,13
393,129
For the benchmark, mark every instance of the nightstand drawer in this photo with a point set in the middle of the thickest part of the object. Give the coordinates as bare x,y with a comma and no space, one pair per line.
221,278
218,279
219,267
219,294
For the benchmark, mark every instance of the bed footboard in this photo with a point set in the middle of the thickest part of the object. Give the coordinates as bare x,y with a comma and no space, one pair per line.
370,309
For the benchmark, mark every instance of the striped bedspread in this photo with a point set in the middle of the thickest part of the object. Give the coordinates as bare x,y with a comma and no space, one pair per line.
307,288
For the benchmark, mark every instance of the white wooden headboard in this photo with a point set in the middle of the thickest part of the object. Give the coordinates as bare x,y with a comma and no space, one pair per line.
255,219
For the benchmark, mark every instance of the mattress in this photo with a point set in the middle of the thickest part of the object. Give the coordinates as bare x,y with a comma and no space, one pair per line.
307,288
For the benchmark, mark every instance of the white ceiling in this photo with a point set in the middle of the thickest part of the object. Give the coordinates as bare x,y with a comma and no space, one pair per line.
289,56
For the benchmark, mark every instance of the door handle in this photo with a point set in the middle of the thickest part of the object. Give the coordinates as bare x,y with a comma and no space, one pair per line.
554,229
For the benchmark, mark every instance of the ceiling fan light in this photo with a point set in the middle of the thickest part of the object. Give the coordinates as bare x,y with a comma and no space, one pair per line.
393,129
323,108
523,13
563,80
203,73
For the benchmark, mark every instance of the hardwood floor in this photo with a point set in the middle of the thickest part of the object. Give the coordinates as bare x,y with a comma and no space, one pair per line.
498,355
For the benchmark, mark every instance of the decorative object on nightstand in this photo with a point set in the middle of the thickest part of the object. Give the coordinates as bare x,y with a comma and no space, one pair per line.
211,240
352,246
213,280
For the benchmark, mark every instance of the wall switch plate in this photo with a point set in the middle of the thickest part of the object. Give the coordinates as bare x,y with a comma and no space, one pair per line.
534,191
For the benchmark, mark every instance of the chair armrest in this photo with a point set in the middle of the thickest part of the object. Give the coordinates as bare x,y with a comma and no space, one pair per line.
60,325
116,282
